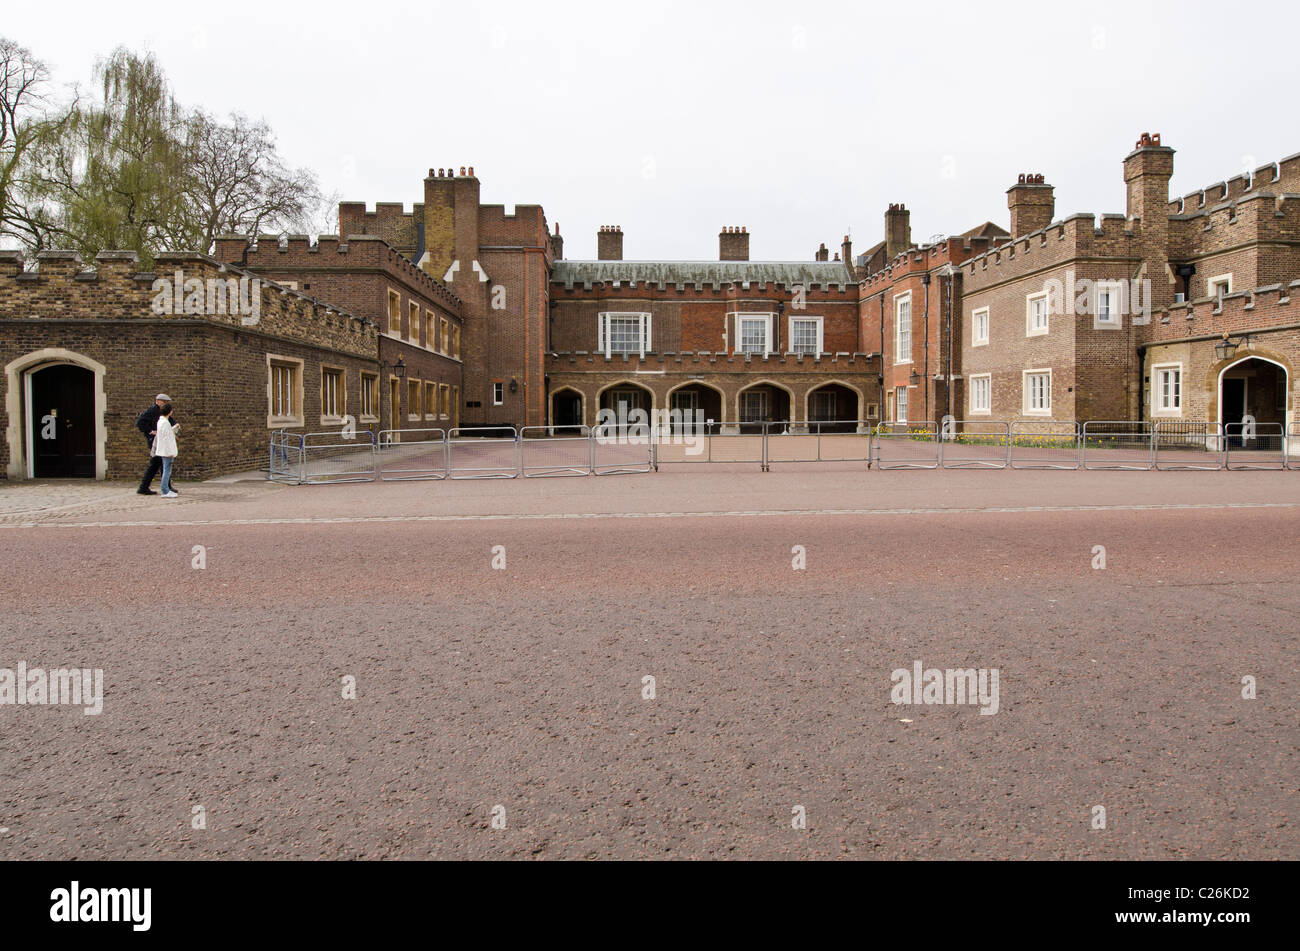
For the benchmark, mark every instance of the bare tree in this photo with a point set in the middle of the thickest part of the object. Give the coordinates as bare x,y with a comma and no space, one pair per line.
23,83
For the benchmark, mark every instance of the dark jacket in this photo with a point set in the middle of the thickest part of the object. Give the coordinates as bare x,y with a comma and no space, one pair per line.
147,422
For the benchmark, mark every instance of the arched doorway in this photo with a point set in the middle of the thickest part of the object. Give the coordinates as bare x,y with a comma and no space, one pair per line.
761,403
834,403
699,403
621,403
566,409
1254,389
55,405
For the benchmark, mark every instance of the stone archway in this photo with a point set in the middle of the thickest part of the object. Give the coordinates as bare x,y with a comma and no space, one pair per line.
22,434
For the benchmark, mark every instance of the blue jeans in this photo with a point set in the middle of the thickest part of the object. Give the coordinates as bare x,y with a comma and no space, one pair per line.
166,485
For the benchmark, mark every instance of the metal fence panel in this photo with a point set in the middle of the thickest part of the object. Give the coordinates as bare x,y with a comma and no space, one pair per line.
622,450
1255,446
975,444
484,452
412,455
1119,444
1045,444
1189,444
819,441
286,458
709,442
554,451
1293,449
905,446
338,457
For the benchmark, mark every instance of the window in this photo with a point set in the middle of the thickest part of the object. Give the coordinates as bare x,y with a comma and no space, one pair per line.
445,338
1110,304
412,399
369,396
455,405
900,404
445,401
806,335
413,321
430,400
333,395
1036,314
903,330
394,313
498,393
430,330
753,406
981,394
1038,393
823,407
455,342
1169,388
623,333
1219,287
980,327
283,392
755,333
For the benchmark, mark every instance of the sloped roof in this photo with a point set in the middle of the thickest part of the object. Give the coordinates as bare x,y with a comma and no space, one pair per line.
987,230
716,273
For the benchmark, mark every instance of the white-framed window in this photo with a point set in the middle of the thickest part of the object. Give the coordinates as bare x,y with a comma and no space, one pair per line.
900,404
623,333
979,321
333,395
806,336
1219,287
1038,392
981,394
753,406
903,329
498,393
283,392
1036,314
1168,386
1109,311
754,333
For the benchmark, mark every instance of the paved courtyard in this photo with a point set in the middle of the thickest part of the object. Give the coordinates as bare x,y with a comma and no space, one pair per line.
521,684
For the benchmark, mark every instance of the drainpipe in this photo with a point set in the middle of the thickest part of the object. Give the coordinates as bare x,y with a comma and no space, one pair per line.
925,360
950,273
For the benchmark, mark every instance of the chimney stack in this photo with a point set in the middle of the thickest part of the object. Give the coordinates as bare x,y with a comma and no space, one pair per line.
609,243
898,231
1147,171
557,244
733,244
1033,204
822,253
846,255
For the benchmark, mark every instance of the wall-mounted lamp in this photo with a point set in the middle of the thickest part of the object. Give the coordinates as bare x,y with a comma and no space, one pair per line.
514,385
1226,348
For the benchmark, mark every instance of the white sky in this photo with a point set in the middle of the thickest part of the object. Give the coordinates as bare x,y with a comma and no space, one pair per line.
672,119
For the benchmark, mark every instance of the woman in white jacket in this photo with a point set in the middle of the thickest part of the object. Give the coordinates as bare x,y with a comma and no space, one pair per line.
164,447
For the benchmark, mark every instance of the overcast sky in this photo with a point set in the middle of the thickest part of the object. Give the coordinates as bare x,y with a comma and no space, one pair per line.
797,120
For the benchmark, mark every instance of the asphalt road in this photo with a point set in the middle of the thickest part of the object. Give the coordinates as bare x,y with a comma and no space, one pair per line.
523,687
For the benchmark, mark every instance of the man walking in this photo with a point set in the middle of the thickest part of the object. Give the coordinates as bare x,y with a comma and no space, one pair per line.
147,423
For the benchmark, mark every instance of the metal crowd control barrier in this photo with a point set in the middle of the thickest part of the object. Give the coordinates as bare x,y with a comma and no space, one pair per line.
622,450
1045,444
905,446
1293,449
412,455
1255,446
818,441
708,442
553,451
1188,444
975,444
1119,444
338,457
286,458
483,452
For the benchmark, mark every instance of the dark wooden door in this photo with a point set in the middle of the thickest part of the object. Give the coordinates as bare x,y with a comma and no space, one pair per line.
63,423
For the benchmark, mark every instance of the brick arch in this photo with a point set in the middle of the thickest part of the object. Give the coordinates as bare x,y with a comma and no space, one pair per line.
722,394
813,388
570,388
1214,377
773,383
16,432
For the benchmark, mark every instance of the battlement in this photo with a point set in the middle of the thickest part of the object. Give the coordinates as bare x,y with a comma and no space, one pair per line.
1079,235
272,252
718,361
526,227
1277,305
59,286
707,289
1277,177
